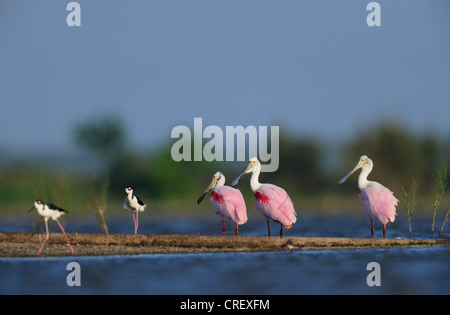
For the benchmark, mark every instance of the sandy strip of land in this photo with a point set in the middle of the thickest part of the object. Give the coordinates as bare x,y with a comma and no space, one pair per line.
14,244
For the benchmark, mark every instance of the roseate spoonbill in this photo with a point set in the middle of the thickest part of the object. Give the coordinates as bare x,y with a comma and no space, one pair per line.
272,202
134,204
377,201
228,202
49,211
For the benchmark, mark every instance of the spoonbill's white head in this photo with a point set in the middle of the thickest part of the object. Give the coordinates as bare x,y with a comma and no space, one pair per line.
217,181
253,166
364,162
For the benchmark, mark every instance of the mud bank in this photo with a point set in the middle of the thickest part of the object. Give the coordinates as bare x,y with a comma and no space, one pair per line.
14,244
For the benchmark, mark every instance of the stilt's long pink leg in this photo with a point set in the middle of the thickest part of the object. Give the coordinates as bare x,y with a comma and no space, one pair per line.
137,222
134,219
67,240
237,230
46,237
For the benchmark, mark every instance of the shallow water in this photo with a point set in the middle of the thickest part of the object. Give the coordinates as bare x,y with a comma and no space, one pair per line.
422,270
334,225
403,271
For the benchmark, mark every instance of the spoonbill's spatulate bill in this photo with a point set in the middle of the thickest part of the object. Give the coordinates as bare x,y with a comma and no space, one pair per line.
228,202
49,211
272,202
377,201
134,204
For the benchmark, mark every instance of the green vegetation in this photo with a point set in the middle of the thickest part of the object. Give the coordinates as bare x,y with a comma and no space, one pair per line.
441,181
397,154
104,137
409,204
445,221
309,170
100,201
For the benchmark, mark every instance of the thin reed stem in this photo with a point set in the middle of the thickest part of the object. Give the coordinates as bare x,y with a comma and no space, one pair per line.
445,221
410,203
441,184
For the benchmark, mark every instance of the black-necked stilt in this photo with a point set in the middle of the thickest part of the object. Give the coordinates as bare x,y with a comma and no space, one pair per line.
134,204
49,211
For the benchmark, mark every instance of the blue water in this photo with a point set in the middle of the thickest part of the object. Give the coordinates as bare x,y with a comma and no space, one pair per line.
403,271
334,225
422,270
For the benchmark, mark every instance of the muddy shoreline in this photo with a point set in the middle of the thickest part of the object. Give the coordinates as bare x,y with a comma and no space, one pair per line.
15,244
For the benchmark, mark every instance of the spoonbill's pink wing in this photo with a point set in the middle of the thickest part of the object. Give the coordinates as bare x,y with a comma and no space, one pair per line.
274,203
229,202
379,203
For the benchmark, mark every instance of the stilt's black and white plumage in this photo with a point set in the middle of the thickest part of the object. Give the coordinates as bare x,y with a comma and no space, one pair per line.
134,204
50,211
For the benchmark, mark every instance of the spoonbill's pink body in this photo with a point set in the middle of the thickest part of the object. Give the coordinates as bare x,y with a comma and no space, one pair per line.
272,202
228,202
377,201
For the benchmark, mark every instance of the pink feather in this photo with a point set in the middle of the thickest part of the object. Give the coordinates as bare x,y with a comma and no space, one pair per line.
274,202
229,202
379,203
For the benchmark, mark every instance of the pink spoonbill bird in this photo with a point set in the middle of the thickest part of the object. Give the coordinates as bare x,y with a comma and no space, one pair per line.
134,204
377,201
228,202
272,202
49,211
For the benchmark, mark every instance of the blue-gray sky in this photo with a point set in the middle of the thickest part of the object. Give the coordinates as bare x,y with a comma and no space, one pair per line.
313,66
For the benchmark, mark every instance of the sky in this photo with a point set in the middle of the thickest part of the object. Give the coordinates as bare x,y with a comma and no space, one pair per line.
314,67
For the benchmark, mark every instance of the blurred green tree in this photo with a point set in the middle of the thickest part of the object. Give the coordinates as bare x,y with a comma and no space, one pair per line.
103,136
397,154
168,179
300,166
